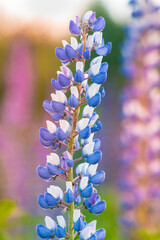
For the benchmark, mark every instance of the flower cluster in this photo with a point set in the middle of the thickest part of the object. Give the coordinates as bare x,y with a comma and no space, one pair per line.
72,129
140,176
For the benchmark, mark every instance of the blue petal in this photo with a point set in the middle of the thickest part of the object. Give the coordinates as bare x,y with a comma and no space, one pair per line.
80,50
70,52
93,237
46,135
102,92
95,100
60,232
61,135
42,202
69,196
92,18
90,201
46,143
57,107
97,127
43,172
104,67
60,53
78,225
104,50
78,200
47,106
55,146
52,169
98,207
100,234
79,76
56,116
87,192
69,162
43,231
55,84
74,29
85,133
73,101
100,78
97,144
94,157
50,200
87,55
99,24
63,80
98,178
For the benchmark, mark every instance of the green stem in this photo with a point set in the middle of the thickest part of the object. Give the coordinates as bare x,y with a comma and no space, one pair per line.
70,170
70,149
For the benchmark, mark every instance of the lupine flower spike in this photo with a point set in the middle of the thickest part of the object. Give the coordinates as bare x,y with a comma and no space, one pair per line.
67,131
140,138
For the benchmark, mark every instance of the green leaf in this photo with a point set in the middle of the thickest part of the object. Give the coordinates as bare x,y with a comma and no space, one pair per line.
6,208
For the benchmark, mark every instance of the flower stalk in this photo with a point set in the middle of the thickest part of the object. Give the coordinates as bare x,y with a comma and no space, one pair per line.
70,132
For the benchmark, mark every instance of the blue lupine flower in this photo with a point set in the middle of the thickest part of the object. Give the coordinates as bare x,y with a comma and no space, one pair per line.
70,132
60,229
69,196
48,230
90,233
78,220
85,188
94,204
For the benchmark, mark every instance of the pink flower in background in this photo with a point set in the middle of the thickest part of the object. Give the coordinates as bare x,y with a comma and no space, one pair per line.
140,161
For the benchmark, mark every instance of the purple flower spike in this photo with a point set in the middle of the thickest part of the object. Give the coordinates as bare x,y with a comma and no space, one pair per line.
73,128
140,136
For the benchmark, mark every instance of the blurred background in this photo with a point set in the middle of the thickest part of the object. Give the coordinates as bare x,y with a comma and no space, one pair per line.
30,30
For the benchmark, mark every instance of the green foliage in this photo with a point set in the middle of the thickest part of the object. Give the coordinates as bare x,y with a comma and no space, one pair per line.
15,223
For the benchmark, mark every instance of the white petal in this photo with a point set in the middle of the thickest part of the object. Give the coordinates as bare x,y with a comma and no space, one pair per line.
82,124
87,111
61,97
86,16
61,221
64,42
76,215
50,223
88,140
93,90
51,126
92,225
89,43
91,170
64,125
74,43
88,148
79,66
84,169
83,183
79,168
54,97
55,191
93,120
86,233
74,91
96,60
69,186
97,37
66,71
94,69
53,158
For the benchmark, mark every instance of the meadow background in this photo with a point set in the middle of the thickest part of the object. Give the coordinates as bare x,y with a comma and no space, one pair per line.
29,34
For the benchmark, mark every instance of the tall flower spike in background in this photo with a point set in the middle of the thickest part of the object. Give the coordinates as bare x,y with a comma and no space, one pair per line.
68,131
140,138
